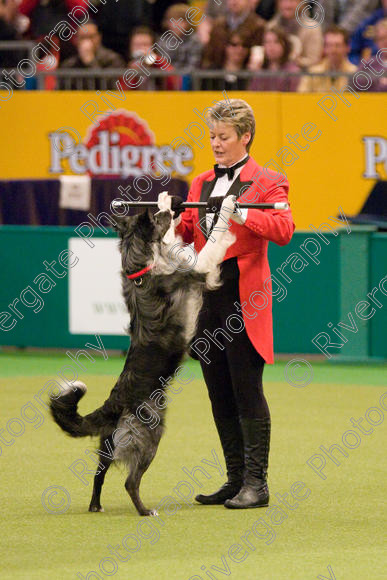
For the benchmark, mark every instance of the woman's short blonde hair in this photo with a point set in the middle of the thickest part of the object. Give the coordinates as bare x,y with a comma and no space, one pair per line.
237,113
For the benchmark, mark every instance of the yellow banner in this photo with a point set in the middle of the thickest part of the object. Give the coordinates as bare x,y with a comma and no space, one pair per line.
332,148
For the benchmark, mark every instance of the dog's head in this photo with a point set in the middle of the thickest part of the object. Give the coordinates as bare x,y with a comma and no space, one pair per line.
145,225
138,236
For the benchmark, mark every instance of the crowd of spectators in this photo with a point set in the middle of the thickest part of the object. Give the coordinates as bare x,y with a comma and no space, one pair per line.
265,37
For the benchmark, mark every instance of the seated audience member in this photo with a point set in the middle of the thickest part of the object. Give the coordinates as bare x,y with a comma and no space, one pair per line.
42,17
155,12
307,39
8,14
141,42
377,73
362,42
263,8
239,19
276,57
236,55
116,19
336,48
347,14
91,54
188,53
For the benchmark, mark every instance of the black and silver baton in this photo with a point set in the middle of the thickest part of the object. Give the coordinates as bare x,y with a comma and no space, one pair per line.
279,205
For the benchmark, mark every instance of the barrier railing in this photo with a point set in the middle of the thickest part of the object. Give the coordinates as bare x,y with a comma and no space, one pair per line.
15,50
181,79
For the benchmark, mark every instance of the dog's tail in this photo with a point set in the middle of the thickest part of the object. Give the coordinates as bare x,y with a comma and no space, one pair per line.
64,411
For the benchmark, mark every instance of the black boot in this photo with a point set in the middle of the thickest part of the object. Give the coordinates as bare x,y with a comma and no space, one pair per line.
254,493
230,435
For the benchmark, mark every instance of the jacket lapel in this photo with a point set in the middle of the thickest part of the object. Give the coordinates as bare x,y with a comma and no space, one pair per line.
205,193
239,187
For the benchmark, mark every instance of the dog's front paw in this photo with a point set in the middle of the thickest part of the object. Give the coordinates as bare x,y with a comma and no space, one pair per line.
164,201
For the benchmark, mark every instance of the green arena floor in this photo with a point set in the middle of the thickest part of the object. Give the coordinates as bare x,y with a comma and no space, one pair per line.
325,522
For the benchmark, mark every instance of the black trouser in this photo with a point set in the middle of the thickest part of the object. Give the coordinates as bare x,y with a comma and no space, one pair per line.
234,375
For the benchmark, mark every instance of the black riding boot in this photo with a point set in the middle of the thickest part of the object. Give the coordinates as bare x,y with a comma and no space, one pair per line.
230,435
254,492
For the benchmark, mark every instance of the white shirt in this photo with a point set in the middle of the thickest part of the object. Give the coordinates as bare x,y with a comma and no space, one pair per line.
222,186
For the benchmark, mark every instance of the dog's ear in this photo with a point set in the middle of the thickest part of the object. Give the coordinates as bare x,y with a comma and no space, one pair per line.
146,216
121,224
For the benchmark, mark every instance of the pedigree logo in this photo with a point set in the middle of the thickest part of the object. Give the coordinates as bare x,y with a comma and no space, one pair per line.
121,146
375,157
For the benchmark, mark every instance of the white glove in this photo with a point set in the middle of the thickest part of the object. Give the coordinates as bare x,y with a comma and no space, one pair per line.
231,211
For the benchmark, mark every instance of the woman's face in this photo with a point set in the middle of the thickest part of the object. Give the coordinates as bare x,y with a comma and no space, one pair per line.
236,52
273,48
227,147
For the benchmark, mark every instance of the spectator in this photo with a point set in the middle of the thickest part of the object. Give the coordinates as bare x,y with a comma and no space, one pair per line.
347,14
8,14
235,58
336,48
188,53
116,19
141,42
263,8
156,12
276,57
44,15
91,54
378,78
239,19
307,39
362,43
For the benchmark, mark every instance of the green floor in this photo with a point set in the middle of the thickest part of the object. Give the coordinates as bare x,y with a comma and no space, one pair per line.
335,531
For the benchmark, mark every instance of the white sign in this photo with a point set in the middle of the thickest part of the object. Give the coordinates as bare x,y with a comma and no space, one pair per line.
96,305
75,192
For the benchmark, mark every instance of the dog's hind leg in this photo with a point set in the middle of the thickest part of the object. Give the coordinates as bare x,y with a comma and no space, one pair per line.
105,460
139,462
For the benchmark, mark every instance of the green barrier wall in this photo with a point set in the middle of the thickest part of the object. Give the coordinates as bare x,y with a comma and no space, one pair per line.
378,269
311,294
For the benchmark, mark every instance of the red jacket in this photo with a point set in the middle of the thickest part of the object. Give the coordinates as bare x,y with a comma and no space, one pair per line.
250,247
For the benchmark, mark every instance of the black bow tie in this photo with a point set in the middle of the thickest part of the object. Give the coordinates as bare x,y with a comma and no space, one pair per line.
229,171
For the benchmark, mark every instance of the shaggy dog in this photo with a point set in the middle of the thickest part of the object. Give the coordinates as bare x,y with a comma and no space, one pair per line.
163,294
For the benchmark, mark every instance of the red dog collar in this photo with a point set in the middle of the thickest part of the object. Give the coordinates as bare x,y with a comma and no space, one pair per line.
140,273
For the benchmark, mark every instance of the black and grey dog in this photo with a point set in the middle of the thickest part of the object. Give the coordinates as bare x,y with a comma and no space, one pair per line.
163,295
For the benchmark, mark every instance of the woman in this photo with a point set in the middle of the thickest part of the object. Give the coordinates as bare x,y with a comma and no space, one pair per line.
306,34
276,57
234,358
235,56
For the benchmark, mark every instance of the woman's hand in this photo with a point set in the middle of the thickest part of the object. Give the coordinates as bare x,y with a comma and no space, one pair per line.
231,209
176,206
